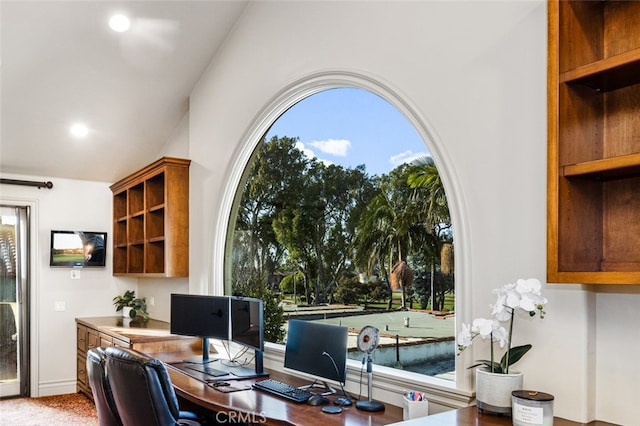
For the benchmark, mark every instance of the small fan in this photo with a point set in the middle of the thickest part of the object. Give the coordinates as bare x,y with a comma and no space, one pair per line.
368,339
367,342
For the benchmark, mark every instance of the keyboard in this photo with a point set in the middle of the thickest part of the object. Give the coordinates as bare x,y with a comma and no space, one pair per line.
283,390
207,370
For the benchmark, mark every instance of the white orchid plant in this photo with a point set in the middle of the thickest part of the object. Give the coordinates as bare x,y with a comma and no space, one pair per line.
523,295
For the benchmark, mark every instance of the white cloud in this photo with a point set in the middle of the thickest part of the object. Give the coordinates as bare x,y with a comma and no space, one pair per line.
306,151
406,157
310,154
337,147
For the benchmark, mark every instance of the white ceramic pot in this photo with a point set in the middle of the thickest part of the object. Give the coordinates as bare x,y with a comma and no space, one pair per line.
493,391
126,311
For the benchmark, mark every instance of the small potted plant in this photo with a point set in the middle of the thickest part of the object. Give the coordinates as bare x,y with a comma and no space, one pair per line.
130,305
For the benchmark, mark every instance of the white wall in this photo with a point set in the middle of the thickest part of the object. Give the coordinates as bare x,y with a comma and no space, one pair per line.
158,290
474,74
77,205
617,347
69,205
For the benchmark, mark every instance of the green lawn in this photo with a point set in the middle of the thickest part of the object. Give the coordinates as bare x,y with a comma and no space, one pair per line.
449,302
68,257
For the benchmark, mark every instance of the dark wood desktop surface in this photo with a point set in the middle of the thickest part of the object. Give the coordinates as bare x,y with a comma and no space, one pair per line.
254,406
262,408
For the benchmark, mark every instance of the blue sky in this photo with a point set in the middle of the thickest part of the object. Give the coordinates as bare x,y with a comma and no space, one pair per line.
350,127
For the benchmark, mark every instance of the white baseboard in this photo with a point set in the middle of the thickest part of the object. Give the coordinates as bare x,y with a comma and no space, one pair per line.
56,388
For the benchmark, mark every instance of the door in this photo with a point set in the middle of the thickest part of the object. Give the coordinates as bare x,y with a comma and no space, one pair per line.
14,315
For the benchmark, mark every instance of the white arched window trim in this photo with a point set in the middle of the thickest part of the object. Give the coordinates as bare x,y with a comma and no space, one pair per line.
388,381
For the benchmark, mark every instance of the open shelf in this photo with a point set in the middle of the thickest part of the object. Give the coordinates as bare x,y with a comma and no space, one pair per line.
605,169
607,74
593,188
151,220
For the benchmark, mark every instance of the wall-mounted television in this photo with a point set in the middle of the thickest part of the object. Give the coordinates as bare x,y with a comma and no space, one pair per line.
78,249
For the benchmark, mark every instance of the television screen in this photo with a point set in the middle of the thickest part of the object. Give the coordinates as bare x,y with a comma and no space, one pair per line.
313,347
246,322
78,249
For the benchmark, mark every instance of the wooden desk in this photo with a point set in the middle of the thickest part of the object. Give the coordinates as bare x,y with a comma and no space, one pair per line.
252,406
145,336
470,417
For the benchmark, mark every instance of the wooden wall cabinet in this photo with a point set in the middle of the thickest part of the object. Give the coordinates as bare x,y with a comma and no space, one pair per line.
593,142
151,220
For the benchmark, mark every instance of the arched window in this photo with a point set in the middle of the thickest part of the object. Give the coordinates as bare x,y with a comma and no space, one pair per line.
330,227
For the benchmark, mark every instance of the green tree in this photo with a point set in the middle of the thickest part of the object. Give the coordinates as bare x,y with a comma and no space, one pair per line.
351,290
294,283
424,178
316,230
389,228
274,179
273,313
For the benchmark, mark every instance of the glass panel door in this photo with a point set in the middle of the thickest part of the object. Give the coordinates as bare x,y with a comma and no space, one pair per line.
13,297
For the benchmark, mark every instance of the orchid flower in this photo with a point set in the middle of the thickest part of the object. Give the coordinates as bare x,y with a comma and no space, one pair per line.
525,295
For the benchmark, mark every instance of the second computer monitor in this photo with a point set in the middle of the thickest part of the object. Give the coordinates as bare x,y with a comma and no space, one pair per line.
247,322
317,349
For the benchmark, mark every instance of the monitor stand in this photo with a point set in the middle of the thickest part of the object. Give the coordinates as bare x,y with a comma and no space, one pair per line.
204,358
238,370
259,364
324,388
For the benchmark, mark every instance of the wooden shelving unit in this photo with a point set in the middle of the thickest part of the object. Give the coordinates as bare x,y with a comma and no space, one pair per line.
151,220
594,142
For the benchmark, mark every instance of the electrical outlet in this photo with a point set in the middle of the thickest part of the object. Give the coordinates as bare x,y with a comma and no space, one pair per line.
152,301
75,274
60,307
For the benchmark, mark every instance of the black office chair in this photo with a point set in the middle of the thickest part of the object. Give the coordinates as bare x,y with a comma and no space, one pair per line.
102,396
142,390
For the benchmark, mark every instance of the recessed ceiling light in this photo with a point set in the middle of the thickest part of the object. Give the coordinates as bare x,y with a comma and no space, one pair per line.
119,23
79,130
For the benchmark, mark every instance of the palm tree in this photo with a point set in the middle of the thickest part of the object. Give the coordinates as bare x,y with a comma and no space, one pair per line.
424,178
423,174
386,230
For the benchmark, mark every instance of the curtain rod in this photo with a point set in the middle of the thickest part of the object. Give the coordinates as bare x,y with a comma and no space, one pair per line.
39,185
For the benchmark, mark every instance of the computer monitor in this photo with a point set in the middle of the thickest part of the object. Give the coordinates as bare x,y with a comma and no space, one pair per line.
247,326
317,349
200,316
247,322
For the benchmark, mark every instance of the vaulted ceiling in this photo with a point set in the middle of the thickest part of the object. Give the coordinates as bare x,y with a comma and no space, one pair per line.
61,64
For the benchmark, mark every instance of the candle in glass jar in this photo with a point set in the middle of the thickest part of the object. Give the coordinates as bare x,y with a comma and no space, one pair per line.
531,408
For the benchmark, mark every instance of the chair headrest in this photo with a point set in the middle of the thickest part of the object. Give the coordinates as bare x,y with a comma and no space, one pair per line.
131,355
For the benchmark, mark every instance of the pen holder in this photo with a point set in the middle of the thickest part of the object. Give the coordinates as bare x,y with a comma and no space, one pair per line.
414,405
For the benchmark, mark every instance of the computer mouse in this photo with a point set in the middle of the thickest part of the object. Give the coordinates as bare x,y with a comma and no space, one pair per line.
317,400
342,401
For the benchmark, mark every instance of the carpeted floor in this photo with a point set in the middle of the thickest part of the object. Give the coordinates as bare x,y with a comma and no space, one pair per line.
58,410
